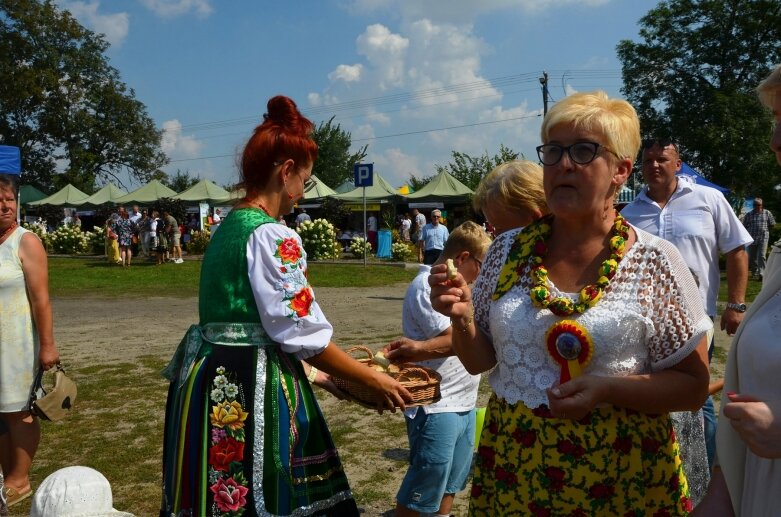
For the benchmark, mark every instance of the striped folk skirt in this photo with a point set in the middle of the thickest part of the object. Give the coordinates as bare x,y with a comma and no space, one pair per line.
244,434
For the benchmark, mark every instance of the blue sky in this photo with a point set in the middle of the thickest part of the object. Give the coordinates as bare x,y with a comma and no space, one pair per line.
414,80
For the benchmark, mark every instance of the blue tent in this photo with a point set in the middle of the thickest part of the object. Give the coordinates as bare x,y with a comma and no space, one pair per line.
699,180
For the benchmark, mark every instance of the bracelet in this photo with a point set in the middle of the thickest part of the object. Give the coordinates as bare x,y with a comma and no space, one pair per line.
312,374
467,321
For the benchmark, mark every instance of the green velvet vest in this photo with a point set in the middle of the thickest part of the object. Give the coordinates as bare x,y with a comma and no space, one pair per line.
225,292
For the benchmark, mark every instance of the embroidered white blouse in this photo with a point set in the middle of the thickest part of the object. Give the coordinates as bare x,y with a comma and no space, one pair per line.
286,302
649,318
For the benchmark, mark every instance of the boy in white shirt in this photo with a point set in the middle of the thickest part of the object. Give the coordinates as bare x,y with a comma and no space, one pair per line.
441,435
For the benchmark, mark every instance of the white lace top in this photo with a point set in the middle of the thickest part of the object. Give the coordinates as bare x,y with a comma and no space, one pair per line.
649,318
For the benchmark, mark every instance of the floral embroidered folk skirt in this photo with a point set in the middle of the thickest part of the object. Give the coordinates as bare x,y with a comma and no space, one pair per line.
612,462
244,434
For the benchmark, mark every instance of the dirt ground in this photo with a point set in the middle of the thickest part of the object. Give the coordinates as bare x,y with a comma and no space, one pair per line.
360,316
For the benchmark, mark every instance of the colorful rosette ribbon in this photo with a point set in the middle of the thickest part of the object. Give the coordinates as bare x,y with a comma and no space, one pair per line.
570,345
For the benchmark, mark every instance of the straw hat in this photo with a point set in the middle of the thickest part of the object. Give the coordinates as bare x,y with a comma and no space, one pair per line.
75,492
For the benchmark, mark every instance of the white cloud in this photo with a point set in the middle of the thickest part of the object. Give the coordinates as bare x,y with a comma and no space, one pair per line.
362,133
396,166
315,99
386,53
175,144
171,8
114,26
346,73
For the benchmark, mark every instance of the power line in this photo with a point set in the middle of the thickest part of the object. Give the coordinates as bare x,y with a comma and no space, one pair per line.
417,96
386,136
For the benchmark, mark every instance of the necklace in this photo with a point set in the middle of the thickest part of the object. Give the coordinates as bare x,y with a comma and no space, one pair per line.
260,205
590,294
8,230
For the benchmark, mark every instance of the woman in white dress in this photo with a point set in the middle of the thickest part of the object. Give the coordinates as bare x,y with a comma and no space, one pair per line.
26,340
747,478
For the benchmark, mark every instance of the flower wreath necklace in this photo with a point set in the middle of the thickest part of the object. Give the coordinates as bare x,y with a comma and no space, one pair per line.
568,342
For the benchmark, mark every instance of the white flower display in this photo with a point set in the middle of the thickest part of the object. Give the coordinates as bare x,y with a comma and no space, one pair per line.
319,240
357,245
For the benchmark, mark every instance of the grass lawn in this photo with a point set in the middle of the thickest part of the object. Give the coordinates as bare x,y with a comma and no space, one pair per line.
93,276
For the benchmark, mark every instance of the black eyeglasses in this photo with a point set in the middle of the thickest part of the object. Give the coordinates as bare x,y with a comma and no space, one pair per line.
661,142
479,263
581,153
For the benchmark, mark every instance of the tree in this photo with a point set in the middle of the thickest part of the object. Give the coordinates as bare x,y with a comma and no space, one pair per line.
64,105
180,181
692,78
469,170
334,162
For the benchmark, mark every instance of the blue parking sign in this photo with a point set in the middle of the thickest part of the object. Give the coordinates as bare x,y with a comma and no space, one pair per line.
364,174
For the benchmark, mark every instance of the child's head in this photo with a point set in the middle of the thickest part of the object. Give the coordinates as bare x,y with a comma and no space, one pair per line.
467,245
511,195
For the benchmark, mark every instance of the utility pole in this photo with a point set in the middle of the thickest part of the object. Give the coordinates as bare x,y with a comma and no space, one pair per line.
544,83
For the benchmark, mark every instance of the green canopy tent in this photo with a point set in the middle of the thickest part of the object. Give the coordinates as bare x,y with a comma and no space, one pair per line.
318,190
28,194
107,195
66,196
204,191
380,192
442,188
346,186
149,193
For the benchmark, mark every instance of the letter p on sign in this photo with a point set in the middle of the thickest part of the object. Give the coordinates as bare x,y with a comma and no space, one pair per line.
364,174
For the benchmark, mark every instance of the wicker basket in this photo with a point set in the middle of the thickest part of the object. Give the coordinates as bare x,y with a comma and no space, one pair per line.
421,382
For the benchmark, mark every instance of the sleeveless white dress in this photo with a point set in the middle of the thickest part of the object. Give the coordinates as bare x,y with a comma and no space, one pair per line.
18,337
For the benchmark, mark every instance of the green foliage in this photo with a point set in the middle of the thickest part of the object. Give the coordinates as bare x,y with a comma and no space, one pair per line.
692,77
416,183
180,181
319,238
69,240
469,170
334,162
199,241
336,211
175,207
402,251
358,245
388,219
96,240
62,103
93,276
39,229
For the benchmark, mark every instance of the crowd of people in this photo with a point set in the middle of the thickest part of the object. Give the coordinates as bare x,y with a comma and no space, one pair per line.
156,236
595,327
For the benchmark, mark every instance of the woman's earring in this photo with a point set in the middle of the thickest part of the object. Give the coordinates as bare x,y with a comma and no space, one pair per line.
289,195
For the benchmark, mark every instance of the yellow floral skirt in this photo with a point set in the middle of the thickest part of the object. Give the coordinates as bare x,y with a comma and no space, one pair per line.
612,462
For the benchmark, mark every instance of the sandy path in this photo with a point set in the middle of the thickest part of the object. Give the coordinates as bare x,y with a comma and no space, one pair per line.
101,330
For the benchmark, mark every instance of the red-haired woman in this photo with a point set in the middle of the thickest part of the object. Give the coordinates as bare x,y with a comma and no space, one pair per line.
244,433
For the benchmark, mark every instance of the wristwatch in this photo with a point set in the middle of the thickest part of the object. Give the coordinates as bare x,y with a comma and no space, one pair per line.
737,307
